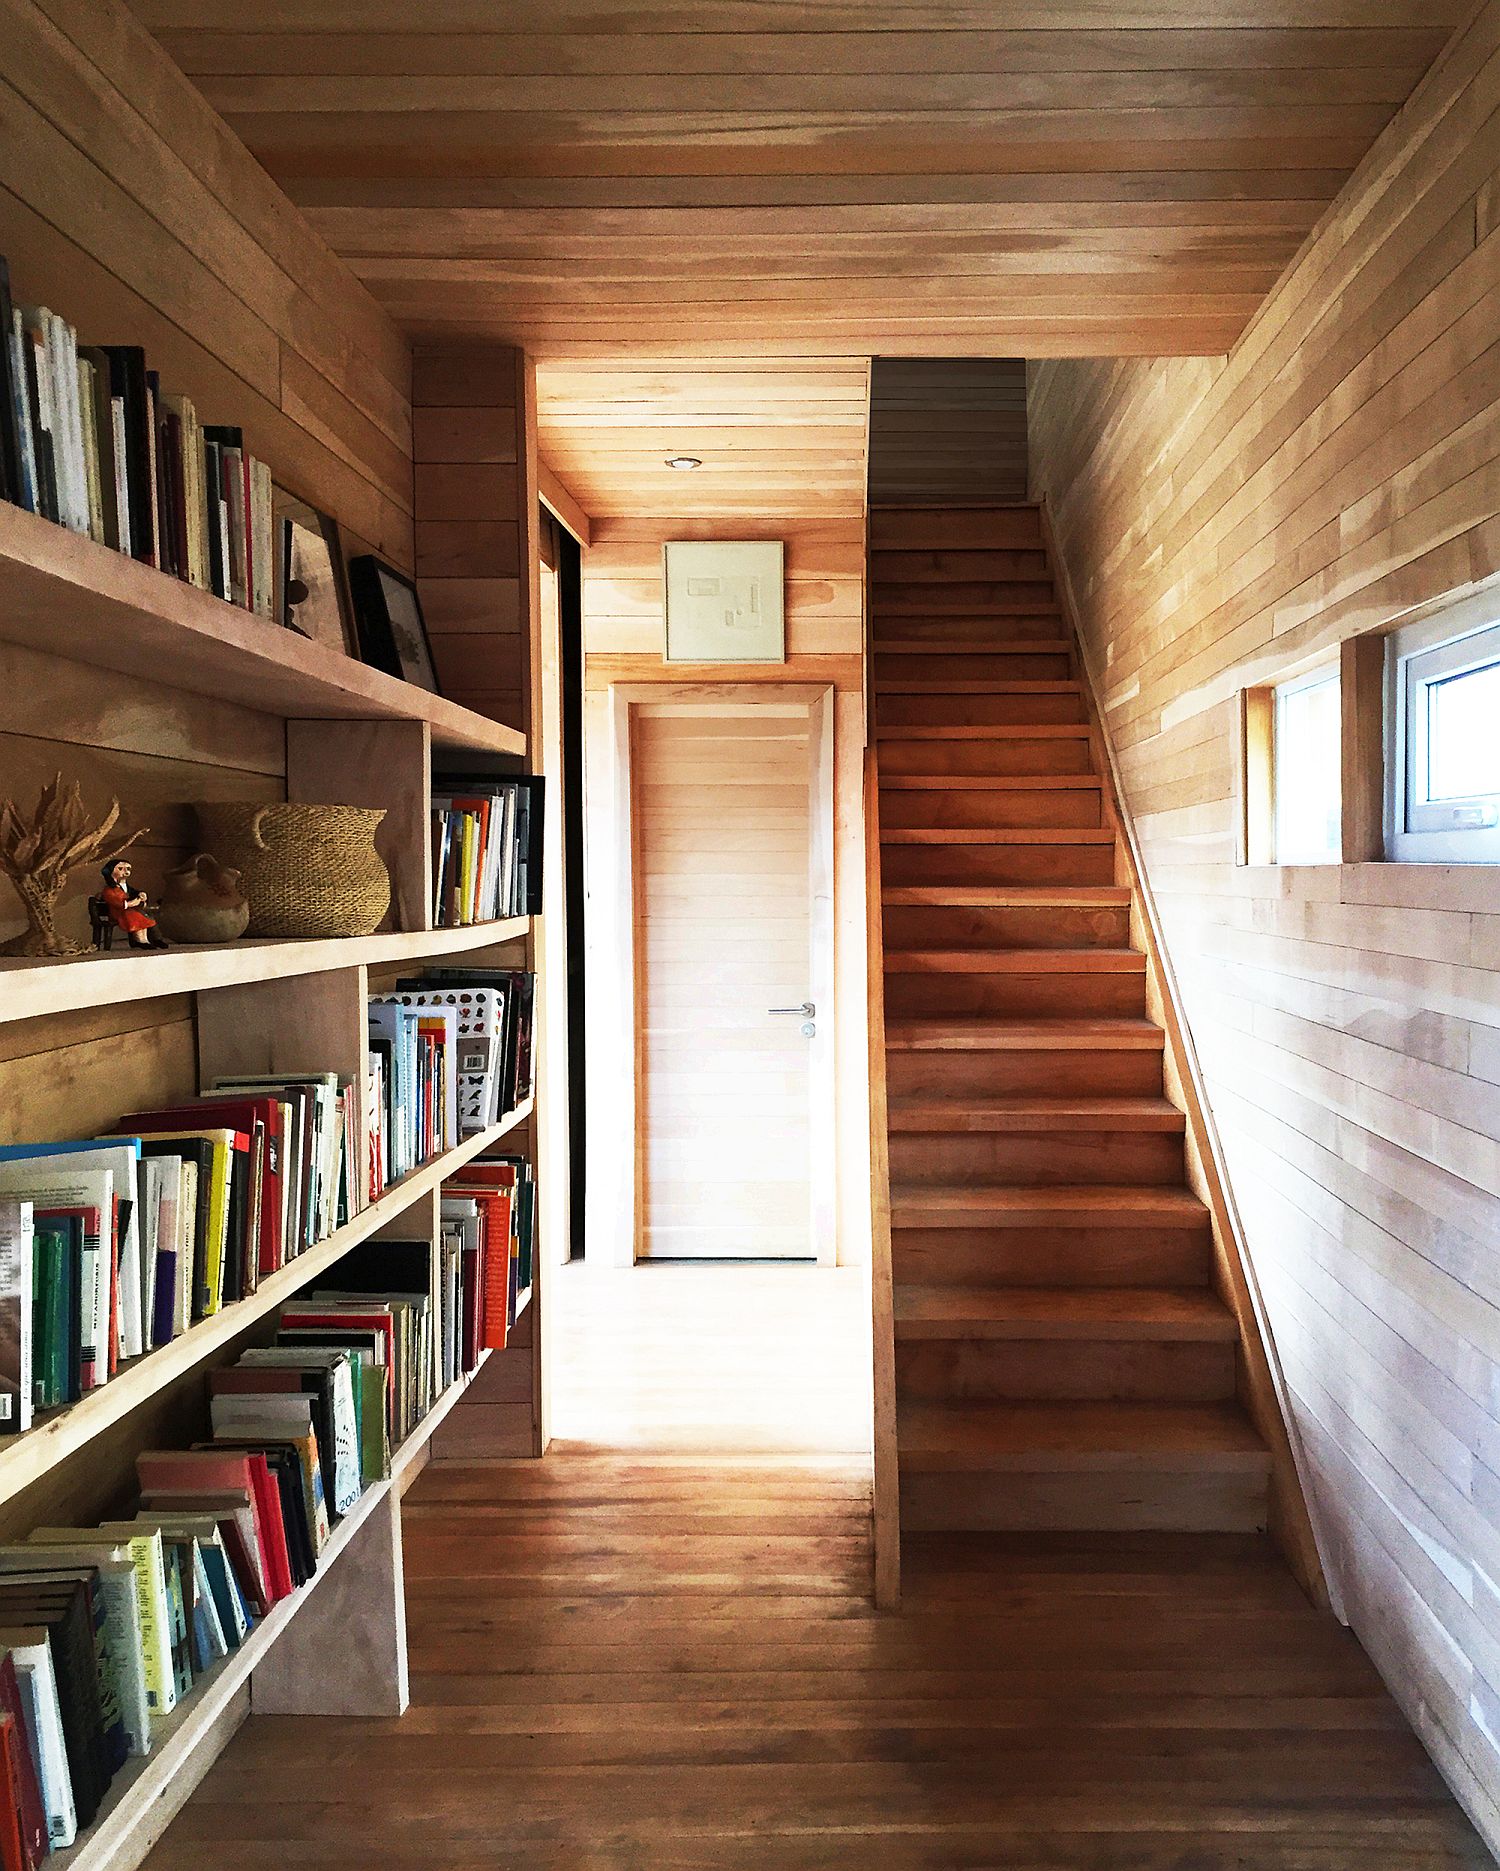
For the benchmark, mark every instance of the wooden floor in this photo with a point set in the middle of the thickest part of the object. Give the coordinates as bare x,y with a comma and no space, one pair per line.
655,1650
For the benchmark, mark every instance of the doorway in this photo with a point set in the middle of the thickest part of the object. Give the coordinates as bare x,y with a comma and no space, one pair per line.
730,797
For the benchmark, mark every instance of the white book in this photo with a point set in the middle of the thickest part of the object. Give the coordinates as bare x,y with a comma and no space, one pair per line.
122,1158
67,375
122,475
38,1683
15,1315
65,1181
93,483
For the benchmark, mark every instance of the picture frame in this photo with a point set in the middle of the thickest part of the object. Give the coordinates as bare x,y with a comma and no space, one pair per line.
388,617
311,594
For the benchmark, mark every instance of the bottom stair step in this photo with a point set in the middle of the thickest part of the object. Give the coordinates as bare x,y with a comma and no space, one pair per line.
1077,1467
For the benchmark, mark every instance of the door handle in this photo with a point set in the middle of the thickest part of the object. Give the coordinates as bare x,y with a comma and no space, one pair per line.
805,1012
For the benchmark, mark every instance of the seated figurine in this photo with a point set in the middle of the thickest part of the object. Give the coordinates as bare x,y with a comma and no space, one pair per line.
127,909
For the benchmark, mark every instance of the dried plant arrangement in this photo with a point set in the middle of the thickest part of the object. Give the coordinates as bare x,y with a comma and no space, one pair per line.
38,854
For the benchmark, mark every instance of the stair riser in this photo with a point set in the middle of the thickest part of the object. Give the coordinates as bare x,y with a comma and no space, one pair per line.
1050,1257
912,529
1015,809
1043,996
978,711
956,566
1071,1370
1151,1158
999,597
1017,666
1009,758
920,925
1041,1074
1130,1501
998,864
942,627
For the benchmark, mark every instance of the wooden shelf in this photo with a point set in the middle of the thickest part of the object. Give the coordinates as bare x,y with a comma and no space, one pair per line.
129,1813
61,1433
29,989
69,596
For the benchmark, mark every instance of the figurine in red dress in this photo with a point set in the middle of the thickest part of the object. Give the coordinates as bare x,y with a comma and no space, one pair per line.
127,910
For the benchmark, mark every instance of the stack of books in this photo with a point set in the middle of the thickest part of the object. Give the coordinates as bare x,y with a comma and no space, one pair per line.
89,438
486,849
492,1011
105,1630
489,1231
111,1247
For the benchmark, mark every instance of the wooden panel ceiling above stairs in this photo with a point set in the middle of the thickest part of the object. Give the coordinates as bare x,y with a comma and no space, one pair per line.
823,178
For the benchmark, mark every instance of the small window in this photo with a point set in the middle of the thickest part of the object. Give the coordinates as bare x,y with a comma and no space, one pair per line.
1445,714
1306,767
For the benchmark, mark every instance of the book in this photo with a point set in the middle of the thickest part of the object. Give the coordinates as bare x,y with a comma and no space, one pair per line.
31,1658
128,388
152,1613
16,1315
25,1772
122,1646
13,480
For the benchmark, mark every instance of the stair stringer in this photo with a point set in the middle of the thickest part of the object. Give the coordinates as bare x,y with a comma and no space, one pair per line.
1261,1383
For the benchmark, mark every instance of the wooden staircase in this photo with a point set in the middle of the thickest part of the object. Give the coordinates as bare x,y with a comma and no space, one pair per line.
1061,1358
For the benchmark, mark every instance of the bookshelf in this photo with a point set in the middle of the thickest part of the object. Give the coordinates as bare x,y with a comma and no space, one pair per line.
144,688
61,1433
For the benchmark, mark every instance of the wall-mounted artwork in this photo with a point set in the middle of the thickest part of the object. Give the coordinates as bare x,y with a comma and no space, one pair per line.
724,601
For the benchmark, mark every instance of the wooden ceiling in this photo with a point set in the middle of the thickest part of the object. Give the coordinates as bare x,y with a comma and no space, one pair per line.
636,187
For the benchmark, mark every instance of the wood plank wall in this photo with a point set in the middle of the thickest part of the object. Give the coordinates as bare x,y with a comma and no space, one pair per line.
475,476
1222,521
624,637
470,407
947,431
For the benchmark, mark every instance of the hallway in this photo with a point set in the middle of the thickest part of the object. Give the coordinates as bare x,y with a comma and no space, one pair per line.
656,1649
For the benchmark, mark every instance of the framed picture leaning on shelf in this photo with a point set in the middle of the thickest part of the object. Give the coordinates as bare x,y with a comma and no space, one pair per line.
392,633
312,595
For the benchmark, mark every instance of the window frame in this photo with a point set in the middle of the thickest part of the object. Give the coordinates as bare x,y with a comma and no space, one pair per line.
1323,674
1458,639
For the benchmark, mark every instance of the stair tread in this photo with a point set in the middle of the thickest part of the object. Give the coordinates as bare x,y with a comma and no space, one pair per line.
975,1035
1122,1205
1015,961
1008,896
997,835
958,685
1082,1436
990,782
1024,646
1026,731
1086,1312
1033,1114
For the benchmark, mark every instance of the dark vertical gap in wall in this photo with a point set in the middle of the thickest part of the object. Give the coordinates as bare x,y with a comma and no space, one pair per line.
570,601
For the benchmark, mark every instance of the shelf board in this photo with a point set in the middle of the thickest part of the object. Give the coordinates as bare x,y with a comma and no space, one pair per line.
411,1458
30,989
70,596
130,1819
53,1438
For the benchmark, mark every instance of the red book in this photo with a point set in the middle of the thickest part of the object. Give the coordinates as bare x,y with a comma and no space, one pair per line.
497,1210
196,1471
13,1744
26,1790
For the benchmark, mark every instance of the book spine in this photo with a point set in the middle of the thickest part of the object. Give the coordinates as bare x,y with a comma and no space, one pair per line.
151,1603
21,406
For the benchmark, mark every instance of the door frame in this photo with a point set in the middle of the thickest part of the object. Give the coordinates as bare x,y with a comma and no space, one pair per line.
624,958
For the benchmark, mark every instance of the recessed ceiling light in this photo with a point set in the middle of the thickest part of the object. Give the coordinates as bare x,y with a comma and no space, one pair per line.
683,461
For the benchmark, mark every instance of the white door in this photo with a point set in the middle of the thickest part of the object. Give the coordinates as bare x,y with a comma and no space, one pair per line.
733,924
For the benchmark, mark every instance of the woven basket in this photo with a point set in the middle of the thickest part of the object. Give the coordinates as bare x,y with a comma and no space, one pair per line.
308,870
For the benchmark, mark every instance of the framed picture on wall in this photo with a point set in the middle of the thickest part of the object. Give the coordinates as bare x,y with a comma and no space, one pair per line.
312,586
388,615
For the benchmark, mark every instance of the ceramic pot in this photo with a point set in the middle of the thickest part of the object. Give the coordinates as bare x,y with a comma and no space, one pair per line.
310,871
201,901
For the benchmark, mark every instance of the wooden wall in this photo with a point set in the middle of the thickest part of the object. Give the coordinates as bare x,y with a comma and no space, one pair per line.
471,405
475,472
947,431
1223,520
624,638
128,207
